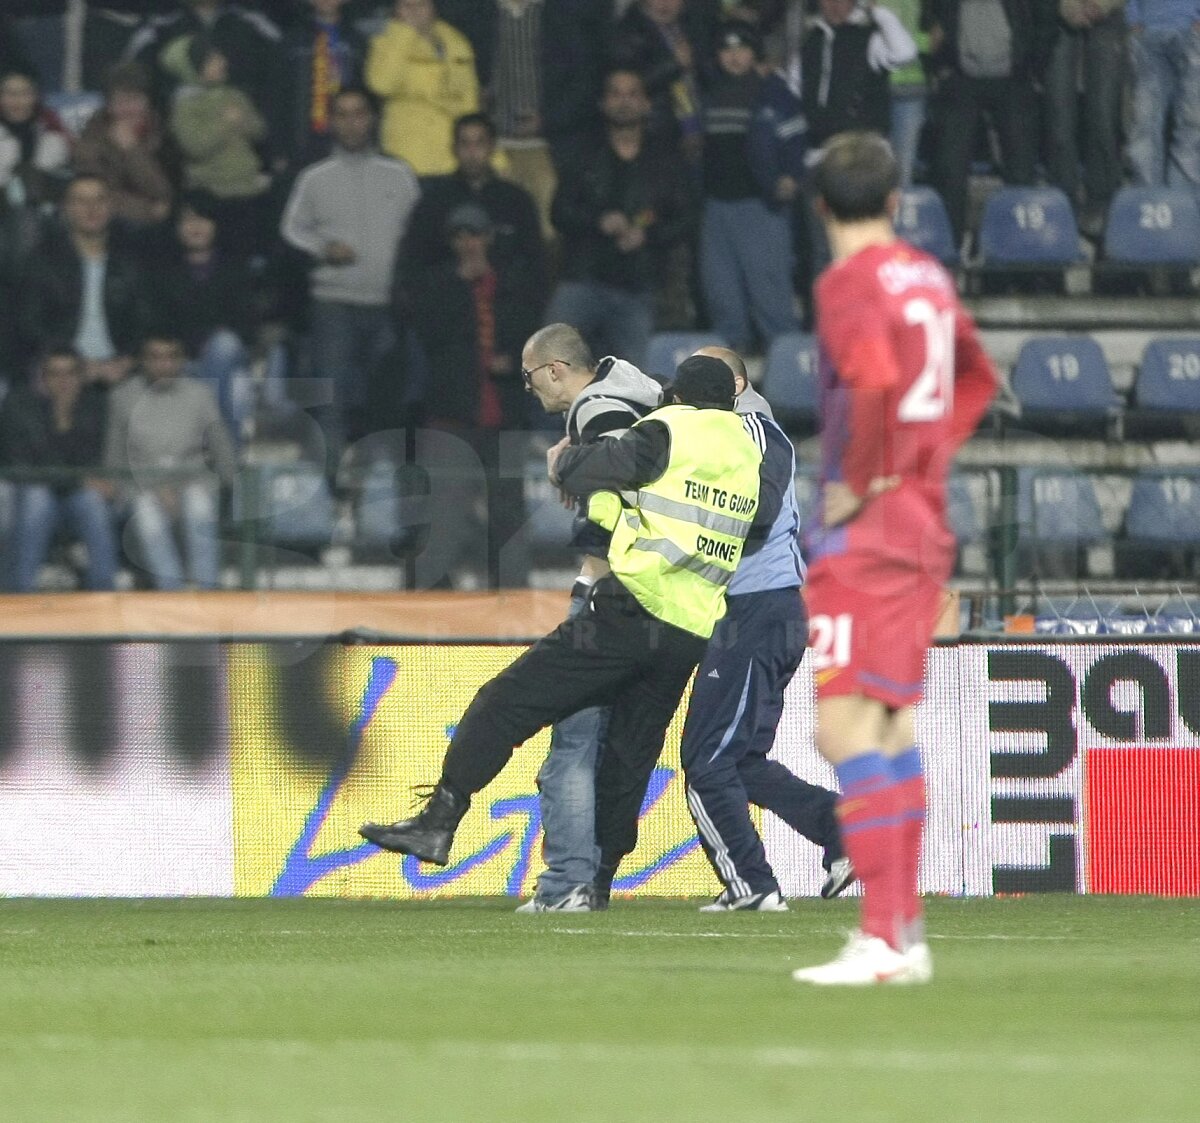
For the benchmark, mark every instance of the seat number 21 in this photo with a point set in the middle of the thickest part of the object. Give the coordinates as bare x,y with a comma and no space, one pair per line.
931,396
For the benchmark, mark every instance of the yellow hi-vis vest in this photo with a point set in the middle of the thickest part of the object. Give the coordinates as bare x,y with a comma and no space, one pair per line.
677,541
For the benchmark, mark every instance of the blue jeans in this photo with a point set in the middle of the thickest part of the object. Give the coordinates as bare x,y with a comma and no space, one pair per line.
348,342
1166,76
746,269
567,782
613,321
908,115
153,529
222,363
39,512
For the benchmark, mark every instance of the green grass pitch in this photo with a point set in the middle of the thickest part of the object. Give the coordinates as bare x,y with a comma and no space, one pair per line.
1053,1008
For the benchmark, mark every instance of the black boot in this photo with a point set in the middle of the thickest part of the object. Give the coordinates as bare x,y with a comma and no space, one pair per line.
429,834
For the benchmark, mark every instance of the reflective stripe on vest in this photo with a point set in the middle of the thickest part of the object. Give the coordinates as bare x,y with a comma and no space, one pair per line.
677,540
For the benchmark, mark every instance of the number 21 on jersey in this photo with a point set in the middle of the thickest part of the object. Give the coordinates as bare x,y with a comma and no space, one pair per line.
931,395
829,638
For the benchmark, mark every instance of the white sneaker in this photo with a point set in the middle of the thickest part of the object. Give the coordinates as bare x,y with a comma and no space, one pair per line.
753,902
920,963
864,961
578,899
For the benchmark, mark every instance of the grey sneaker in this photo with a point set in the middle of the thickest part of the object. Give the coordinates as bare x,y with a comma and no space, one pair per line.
753,902
841,875
578,899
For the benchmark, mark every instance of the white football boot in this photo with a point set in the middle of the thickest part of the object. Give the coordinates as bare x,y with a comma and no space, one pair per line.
753,902
866,961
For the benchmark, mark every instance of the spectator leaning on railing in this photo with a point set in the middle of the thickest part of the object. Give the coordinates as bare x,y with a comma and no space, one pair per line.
164,430
52,432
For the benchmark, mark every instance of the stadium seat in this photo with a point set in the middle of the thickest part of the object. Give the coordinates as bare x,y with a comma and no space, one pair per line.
1165,509
1064,386
1166,390
1153,226
1162,540
1029,226
294,507
1058,507
74,110
392,509
669,348
1169,375
921,219
789,381
1059,517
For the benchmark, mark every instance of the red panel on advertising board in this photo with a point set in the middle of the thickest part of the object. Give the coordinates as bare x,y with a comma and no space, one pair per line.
1143,821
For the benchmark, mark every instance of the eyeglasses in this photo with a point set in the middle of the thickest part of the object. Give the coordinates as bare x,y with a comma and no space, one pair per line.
527,374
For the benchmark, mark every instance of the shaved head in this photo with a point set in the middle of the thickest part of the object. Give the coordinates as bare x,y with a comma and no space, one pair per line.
732,360
562,342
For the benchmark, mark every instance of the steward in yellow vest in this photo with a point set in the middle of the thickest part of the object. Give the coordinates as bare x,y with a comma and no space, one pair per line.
686,480
677,538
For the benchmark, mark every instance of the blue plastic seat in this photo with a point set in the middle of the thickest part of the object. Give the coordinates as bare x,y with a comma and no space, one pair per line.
1169,375
1164,509
1153,226
388,518
922,221
1063,381
669,348
294,506
789,380
1029,226
1059,508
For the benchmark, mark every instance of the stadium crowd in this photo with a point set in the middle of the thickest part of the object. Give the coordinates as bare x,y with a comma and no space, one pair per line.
217,216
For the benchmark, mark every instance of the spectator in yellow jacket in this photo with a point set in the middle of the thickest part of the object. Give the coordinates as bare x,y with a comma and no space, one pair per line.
424,70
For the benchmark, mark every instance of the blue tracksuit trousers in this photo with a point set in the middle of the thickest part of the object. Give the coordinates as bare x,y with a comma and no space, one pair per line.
730,728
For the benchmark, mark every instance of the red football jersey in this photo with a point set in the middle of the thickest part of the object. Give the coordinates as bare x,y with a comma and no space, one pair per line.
904,382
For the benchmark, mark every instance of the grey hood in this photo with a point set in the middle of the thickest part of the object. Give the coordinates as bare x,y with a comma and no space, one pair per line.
619,387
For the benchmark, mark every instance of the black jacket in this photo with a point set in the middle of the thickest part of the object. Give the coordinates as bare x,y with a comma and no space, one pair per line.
653,191
574,35
444,319
52,293
1032,23
518,235
840,89
196,305
28,438
303,145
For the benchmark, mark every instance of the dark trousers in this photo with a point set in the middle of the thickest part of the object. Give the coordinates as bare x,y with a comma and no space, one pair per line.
730,728
1010,105
615,653
1102,51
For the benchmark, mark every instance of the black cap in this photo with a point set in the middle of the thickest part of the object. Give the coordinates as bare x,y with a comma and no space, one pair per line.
468,216
705,382
739,33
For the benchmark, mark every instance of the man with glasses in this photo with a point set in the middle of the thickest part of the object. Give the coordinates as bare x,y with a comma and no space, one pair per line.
679,493
599,400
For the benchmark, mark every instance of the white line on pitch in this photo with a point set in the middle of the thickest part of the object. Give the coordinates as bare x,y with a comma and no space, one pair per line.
608,1053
